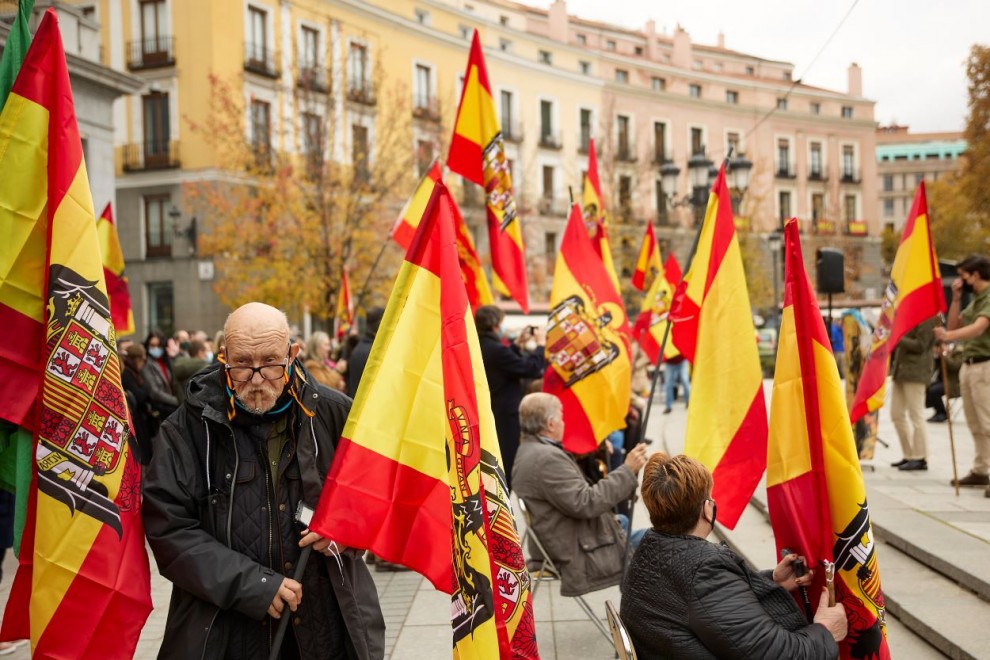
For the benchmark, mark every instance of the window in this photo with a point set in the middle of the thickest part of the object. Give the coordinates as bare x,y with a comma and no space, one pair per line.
422,87
696,65
782,103
658,84
850,207
731,97
621,75
750,71
815,164
548,182
888,182
153,21
546,122
550,251
545,57
783,157
661,201
505,105
694,90
659,142
638,50
848,162
357,68
697,142
622,123
784,205
625,193
156,130
847,112
888,207
581,40
585,130
585,67
422,16
816,108
161,307
732,144
504,45
309,57
424,156
312,136
465,31
503,20
817,207
918,178
610,44
261,127
257,45
360,152
157,226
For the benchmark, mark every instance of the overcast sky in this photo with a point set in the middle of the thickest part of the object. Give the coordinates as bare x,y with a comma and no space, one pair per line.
912,51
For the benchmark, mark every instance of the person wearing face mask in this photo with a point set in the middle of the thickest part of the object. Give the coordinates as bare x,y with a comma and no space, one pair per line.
157,374
506,366
684,597
253,440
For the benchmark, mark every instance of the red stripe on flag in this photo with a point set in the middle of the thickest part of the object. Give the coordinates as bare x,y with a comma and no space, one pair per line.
466,156
375,487
743,463
724,230
580,436
22,365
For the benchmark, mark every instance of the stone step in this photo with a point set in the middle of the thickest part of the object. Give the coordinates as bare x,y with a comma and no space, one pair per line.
930,614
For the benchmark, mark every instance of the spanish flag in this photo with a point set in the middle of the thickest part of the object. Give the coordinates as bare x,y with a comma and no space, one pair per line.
593,203
913,294
653,319
113,271
648,261
713,328
343,318
82,588
478,154
479,293
815,489
423,486
587,343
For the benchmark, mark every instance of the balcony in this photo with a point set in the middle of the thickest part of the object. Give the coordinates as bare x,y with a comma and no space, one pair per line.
662,157
557,206
258,59
850,175
312,79
512,131
817,175
151,53
263,158
823,227
785,171
426,108
151,155
625,153
362,91
856,227
550,139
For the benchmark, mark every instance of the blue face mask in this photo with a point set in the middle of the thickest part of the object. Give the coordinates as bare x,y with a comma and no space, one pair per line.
209,356
155,352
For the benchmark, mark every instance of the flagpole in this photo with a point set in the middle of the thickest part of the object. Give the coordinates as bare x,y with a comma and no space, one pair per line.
948,417
367,280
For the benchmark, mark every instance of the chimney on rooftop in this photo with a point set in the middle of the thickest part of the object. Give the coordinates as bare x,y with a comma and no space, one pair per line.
681,56
651,40
558,21
855,80
721,39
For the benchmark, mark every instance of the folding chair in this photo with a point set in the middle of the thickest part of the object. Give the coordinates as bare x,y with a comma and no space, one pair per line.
545,569
624,649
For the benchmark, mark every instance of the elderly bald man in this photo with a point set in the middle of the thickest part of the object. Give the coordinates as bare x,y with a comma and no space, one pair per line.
254,438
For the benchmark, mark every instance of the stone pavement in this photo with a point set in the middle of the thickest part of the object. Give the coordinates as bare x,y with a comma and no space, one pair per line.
417,616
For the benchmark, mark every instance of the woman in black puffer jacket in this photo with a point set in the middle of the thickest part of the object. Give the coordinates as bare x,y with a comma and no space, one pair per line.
684,597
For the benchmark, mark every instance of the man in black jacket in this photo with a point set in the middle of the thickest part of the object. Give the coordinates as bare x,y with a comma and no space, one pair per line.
506,367
358,358
254,438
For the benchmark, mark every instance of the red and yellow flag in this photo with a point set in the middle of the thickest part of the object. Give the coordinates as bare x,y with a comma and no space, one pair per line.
113,271
672,270
913,294
648,261
587,343
438,502
713,328
478,154
343,318
653,319
479,293
82,588
815,489
595,217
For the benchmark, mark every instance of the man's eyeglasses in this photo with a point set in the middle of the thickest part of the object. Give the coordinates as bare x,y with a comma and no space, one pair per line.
268,372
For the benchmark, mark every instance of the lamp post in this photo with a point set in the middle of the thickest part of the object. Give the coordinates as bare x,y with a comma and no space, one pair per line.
774,242
701,175
189,232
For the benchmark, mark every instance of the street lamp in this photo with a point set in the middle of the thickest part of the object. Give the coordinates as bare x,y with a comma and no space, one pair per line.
774,242
189,232
701,175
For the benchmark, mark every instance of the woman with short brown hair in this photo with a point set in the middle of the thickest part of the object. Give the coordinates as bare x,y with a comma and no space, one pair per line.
684,597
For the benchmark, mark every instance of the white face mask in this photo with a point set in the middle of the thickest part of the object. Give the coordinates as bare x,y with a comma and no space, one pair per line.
531,345
209,356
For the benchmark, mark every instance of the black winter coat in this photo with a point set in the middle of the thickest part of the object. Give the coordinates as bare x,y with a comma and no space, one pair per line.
222,531
506,367
684,597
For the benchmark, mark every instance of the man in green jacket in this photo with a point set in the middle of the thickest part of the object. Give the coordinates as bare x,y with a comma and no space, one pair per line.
910,371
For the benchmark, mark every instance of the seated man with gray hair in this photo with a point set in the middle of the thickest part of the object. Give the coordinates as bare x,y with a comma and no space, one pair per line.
571,517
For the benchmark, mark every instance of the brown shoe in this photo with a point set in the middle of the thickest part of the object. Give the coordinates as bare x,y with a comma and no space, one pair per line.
972,479
987,492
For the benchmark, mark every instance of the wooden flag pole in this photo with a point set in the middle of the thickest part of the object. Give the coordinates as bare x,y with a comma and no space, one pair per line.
948,417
